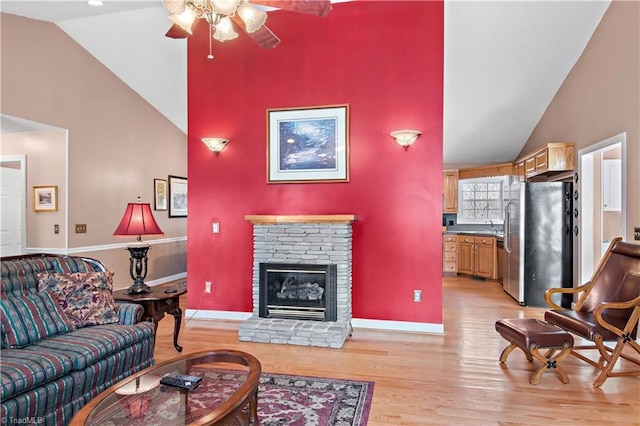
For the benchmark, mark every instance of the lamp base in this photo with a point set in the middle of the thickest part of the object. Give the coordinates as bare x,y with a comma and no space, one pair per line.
138,288
138,269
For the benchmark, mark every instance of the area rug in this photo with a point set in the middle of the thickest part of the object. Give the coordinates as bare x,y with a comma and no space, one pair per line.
283,400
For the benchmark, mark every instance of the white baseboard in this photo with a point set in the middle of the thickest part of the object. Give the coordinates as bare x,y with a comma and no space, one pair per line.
387,325
355,322
218,315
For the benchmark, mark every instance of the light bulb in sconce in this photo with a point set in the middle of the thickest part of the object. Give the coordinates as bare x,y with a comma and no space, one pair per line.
406,138
216,144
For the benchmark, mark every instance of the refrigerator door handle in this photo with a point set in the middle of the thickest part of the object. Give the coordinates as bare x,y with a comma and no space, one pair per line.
507,228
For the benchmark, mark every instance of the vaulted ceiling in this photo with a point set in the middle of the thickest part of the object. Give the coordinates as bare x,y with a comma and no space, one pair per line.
504,61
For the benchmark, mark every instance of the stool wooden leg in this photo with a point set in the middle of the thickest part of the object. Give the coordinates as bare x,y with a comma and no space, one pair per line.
550,363
505,353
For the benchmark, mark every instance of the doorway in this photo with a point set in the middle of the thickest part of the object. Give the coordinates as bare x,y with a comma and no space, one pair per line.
13,215
602,200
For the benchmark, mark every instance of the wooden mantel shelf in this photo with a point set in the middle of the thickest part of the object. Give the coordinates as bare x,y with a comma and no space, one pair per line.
277,219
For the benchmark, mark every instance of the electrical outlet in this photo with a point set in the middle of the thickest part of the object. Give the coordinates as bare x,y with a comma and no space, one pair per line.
81,228
417,296
636,233
207,287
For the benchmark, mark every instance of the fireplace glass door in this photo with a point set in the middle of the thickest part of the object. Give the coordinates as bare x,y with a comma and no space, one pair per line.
298,291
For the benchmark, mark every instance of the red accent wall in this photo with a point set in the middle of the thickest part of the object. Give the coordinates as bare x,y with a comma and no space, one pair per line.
384,59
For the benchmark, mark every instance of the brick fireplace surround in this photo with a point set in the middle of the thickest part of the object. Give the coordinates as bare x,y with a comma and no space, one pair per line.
314,239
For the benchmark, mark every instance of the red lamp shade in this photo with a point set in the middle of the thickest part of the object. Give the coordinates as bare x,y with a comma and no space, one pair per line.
138,220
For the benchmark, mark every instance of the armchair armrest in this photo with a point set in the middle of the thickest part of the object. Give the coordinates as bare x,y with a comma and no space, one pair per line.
574,290
129,313
631,323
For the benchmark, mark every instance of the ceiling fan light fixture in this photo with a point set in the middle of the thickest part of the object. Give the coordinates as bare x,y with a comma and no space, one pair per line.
225,7
224,30
185,19
175,7
252,17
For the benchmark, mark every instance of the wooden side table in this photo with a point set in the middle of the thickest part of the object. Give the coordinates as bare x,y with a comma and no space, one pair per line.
163,299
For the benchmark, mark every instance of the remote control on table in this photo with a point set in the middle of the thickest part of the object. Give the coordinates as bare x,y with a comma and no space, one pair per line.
181,380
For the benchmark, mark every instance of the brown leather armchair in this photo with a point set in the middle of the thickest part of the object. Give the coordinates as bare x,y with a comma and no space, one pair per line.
607,310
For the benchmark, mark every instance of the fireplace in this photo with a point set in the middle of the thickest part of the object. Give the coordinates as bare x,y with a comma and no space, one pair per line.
298,291
301,280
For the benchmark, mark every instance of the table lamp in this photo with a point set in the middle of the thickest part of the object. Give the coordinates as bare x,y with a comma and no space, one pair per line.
135,397
138,220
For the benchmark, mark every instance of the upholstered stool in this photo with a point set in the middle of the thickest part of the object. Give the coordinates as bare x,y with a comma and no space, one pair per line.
530,335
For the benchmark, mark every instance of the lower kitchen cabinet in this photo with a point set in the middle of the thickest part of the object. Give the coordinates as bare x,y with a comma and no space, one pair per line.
449,255
477,256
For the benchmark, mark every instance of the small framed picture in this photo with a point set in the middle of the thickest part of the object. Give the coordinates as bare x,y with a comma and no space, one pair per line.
308,144
45,198
160,194
177,196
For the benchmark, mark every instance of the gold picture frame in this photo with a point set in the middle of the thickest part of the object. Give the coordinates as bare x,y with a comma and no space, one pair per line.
45,198
160,194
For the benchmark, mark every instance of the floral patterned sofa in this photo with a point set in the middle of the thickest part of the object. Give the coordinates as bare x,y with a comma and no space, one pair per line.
64,339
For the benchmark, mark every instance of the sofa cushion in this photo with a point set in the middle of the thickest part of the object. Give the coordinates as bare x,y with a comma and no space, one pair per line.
22,369
86,297
87,345
28,319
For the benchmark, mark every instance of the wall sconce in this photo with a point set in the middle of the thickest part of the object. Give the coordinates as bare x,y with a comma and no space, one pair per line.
405,138
215,144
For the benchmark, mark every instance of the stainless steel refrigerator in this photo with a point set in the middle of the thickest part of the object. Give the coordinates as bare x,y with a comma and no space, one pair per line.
538,240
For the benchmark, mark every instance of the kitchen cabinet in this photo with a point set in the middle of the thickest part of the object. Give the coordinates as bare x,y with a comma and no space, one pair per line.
449,255
554,158
450,194
477,256
502,169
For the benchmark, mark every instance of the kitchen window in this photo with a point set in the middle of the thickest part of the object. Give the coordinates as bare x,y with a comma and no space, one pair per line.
480,200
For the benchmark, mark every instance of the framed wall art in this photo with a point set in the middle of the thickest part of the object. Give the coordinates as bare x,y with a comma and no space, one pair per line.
177,196
45,198
308,144
160,194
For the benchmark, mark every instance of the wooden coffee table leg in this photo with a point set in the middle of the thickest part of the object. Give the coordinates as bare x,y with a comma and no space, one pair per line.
253,409
177,315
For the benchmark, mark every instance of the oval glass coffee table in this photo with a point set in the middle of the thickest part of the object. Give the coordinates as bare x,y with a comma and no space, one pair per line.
226,395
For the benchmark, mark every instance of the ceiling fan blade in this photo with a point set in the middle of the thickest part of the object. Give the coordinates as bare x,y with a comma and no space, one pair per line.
310,7
176,32
263,36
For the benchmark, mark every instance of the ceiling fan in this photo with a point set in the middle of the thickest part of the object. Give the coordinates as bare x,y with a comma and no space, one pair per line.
224,16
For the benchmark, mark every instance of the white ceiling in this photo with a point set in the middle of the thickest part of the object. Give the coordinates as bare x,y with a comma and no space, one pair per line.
504,61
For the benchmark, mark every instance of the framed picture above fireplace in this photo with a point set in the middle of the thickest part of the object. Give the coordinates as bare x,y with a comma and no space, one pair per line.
308,144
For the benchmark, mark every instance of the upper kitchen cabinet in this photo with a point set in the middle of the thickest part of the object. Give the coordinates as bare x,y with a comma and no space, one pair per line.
555,158
450,194
503,169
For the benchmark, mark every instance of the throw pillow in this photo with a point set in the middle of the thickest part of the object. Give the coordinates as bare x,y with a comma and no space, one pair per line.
28,319
86,297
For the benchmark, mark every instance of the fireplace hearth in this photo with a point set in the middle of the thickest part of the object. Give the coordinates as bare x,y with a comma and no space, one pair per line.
298,291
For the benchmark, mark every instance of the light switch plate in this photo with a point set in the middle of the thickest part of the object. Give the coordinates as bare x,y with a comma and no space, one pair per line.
215,228
81,228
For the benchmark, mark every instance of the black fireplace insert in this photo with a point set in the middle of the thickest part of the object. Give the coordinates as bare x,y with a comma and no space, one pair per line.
298,291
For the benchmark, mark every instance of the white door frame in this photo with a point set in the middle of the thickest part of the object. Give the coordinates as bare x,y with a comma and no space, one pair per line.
585,186
22,159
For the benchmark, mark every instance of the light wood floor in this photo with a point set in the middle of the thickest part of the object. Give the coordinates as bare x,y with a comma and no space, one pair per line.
450,379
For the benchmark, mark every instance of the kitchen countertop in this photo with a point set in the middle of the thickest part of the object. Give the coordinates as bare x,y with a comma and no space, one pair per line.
499,237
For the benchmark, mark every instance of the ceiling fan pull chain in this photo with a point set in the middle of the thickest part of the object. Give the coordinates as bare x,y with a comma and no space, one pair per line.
210,55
